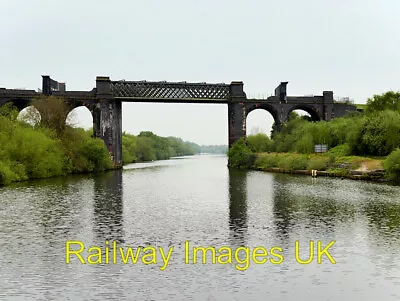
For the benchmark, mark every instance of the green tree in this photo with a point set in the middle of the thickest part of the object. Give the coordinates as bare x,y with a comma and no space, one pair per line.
381,133
240,155
53,112
259,143
386,101
392,165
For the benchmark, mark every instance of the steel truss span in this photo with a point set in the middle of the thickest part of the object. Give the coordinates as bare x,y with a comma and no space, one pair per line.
169,90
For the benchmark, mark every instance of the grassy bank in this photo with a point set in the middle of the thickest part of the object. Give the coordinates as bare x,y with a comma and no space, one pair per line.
332,163
354,167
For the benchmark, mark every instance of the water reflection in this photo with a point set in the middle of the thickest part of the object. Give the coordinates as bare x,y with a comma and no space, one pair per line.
108,207
238,204
54,204
384,217
283,211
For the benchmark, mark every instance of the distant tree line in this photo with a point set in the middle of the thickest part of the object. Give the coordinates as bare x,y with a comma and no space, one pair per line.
147,146
214,149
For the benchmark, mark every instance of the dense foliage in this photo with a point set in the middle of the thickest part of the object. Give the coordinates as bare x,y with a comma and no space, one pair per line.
240,155
392,165
42,151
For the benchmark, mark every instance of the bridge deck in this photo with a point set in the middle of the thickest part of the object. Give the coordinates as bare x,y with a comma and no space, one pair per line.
170,91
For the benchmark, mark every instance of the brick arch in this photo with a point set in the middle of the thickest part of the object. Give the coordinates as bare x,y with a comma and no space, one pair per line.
267,107
20,104
80,104
314,113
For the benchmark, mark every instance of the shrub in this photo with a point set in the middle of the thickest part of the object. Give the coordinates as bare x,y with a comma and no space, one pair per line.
259,143
240,156
267,161
392,165
96,155
8,175
340,150
318,163
293,162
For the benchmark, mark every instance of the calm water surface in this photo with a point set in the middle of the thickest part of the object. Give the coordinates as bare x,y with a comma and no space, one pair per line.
197,199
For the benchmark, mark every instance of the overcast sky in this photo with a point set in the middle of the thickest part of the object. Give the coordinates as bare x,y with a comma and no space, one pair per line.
347,46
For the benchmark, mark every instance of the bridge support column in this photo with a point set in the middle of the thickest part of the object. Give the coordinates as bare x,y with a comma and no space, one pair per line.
107,119
237,113
328,105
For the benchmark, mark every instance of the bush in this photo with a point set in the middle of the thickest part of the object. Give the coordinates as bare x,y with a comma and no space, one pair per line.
96,155
381,133
340,150
317,163
39,154
293,162
392,165
267,160
240,155
8,175
259,143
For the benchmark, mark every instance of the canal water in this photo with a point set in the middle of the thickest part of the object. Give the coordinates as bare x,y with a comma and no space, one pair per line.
194,202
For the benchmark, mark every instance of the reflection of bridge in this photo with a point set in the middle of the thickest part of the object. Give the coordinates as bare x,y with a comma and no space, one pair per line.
104,102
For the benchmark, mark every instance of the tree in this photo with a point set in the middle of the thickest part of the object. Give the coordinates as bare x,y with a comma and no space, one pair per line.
240,156
53,112
387,101
259,143
392,165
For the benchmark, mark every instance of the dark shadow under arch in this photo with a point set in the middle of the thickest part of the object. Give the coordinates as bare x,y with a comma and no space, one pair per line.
310,110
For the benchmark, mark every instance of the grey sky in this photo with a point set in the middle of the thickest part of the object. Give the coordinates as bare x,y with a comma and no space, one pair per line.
350,47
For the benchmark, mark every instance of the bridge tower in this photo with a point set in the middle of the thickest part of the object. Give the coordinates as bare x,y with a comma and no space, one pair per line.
107,119
236,113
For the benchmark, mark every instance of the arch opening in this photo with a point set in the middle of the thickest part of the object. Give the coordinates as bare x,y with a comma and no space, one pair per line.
304,113
259,121
260,126
263,119
30,115
80,117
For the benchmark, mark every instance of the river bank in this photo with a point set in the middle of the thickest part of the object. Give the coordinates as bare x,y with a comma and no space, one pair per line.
321,165
372,175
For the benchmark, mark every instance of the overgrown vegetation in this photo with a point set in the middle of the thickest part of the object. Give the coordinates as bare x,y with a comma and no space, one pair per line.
392,165
240,155
374,133
45,149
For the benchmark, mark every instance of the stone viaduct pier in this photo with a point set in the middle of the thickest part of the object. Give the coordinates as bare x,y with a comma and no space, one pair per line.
105,103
